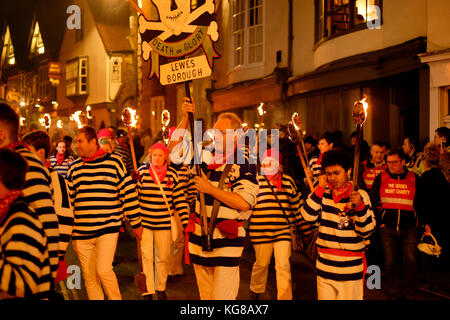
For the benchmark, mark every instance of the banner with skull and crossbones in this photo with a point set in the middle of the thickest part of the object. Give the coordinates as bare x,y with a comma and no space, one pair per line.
178,32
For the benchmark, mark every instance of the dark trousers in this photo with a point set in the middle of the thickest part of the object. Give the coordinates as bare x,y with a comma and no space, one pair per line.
403,243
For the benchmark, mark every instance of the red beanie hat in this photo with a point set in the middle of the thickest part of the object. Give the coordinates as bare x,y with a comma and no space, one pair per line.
105,133
162,147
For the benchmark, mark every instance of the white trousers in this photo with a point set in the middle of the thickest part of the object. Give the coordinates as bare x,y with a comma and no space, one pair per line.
96,257
263,254
217,283
339,290
155,243
177,250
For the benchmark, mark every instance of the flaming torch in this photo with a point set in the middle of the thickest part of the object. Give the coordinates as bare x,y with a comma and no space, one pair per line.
359,117
59,124
45,121
89,112
165,120
129,119
295,135
80,118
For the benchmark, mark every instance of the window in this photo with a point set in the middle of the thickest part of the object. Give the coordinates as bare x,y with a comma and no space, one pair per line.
37,45
77,77
336,17
247,31
8,57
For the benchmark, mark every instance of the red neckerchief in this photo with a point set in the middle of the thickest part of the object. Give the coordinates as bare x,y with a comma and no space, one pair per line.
99,153
60,158
275,179
7,201
160,172
319,160
219,159
14,145
347,190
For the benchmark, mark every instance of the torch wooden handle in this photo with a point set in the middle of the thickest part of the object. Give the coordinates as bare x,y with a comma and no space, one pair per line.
305,168
133,157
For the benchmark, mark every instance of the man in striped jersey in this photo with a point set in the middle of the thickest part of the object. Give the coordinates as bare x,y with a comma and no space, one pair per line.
341,261
37,189
217,271
102,193
24,259
39,143
269,226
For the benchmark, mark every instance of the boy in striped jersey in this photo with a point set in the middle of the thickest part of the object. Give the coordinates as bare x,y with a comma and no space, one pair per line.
341,260
217,271
24,259
102,193
37,188
269,226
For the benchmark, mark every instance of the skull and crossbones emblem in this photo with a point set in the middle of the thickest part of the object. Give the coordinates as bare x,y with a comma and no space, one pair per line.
176,18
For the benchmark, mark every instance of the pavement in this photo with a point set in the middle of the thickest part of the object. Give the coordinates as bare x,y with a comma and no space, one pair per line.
185,288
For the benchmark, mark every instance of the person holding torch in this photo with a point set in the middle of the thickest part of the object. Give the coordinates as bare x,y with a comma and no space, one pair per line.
228,198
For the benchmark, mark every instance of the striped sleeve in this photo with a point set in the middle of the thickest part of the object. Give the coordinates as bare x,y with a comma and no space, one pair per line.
312,207
365,219
64,211
179,201
315,167
38,194
24,266
128,195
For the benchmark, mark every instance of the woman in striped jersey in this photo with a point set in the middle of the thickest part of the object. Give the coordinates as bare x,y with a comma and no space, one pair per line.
37,190
269,226
341,262
24,259
101,193
61,160
155,215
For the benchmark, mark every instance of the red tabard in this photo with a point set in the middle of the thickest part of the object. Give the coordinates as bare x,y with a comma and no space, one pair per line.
398,194
370,174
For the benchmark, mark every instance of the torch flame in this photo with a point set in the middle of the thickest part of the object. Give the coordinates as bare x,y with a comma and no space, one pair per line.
22,121
45,120
88,112
365,105
260,109
360,111
59,124
78,118
129,117
294,120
